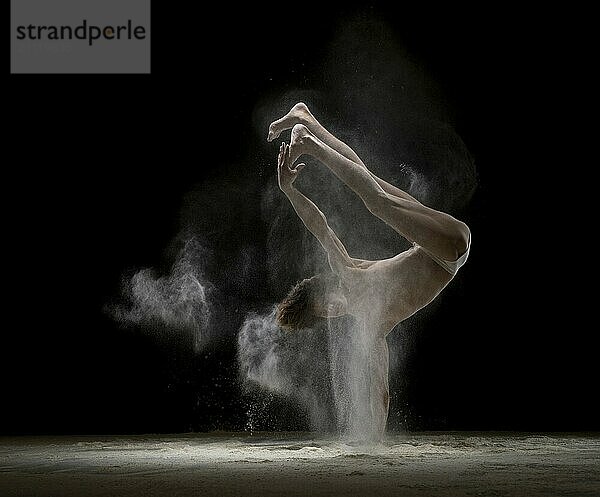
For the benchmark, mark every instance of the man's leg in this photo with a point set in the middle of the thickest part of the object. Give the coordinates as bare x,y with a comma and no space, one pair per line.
301,115
437,232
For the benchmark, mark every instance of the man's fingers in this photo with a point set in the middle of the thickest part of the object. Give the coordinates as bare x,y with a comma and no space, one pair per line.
299,167
287,156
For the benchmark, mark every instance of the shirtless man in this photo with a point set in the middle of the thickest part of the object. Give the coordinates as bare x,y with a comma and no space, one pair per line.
382,293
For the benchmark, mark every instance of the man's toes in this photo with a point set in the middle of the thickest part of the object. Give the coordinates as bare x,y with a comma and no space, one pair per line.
272,134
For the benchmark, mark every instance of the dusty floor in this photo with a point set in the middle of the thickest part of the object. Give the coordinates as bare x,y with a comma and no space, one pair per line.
424,464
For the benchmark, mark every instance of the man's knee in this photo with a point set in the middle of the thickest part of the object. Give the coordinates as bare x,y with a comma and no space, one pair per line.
461,238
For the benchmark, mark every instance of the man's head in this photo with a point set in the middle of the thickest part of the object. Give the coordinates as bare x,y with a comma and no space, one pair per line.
317,297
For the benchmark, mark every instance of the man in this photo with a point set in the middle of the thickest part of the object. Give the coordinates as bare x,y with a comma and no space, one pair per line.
378,294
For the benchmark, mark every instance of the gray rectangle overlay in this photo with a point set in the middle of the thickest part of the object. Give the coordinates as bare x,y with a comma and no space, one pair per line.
115,36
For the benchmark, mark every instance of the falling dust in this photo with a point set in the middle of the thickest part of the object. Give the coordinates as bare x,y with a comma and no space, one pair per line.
176,302
294,365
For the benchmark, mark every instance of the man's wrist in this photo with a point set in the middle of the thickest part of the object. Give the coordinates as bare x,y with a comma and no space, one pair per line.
288,189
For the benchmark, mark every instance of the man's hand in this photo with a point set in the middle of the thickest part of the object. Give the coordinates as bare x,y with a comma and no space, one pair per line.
285,174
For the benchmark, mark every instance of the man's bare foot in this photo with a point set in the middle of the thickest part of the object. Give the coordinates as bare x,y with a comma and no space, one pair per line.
301,140
298,115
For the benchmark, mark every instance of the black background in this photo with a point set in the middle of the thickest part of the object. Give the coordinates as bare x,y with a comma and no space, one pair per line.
97,166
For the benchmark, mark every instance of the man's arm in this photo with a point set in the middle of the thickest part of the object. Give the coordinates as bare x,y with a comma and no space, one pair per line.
316,222
310,214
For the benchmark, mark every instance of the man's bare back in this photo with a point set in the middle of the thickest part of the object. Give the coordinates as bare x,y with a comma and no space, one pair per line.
386,292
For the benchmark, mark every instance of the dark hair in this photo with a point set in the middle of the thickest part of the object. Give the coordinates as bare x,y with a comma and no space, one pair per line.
296,310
